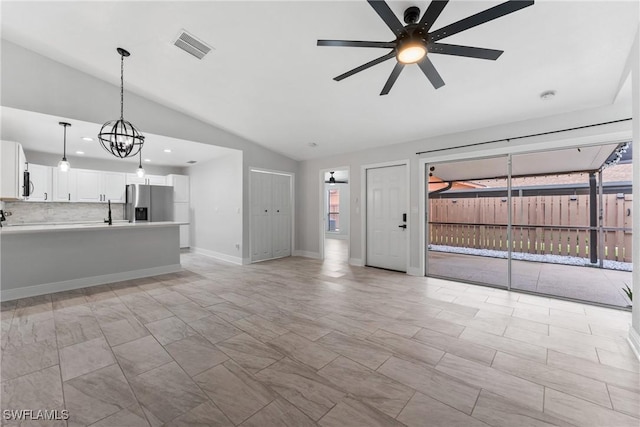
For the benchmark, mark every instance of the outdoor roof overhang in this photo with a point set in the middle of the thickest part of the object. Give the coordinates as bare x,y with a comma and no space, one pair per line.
571,160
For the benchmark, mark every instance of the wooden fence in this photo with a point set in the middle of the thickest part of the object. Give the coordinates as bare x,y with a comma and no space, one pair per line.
557,225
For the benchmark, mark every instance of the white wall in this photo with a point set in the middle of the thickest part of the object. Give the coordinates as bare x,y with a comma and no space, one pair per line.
216,207
307,209
33,82
343,209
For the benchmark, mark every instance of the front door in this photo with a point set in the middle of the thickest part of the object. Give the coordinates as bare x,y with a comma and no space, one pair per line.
386,217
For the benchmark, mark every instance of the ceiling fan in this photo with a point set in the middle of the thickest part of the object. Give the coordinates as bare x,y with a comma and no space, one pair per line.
332,180
415,40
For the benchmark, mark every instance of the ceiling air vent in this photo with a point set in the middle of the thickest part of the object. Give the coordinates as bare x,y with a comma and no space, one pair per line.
192,162
191,45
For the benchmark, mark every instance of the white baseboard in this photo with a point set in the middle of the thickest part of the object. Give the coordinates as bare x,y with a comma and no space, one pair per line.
85,282
307,254
634,341
414,271
217,255
356,261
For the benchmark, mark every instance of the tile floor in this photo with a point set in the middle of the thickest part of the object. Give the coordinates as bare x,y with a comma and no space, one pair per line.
299,342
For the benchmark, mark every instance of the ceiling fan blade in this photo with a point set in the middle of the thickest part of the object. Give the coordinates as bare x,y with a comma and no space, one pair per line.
433,11
392,78
365,66
356,43
384,11
430,71
479,18
468,51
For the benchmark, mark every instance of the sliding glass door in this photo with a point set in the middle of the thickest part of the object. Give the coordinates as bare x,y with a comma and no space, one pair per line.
467,221
554,223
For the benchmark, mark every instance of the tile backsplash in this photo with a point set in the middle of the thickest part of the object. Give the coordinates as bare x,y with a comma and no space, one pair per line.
37,212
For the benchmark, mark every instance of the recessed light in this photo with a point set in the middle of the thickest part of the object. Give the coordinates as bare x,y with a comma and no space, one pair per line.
147,160
79,152
166,150
312,144
87,138
547,95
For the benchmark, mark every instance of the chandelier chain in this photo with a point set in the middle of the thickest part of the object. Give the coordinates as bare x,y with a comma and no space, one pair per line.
121,87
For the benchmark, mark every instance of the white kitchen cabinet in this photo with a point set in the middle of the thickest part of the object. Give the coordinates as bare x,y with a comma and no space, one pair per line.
270,227
132,178
181,214
12,163
156,180
64,185
180,185
185,240
99,187
113,187
40,187
88,186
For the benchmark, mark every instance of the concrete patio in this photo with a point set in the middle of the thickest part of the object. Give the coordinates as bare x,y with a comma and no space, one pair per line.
582,283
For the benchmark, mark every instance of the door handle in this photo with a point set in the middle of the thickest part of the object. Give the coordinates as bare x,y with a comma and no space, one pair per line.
45,196
403,226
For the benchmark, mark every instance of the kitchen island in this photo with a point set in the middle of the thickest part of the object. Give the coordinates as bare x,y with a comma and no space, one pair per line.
40,259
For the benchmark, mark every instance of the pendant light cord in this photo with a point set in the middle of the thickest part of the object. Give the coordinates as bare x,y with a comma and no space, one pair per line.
121,87
64,150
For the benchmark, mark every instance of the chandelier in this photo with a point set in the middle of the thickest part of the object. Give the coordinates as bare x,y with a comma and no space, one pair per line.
120,137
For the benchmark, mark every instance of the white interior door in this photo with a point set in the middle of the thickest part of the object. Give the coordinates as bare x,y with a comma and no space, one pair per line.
261,232
281,215
386,214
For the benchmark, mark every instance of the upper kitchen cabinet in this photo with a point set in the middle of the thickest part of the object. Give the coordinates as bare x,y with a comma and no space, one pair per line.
64,185
13,162
97,186
40,187
88,186
180,185
113,186
132,178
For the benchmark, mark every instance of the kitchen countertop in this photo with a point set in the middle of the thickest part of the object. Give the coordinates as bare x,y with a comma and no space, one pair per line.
37,228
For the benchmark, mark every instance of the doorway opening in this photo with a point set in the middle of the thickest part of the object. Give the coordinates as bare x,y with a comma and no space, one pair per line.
556,223
335,215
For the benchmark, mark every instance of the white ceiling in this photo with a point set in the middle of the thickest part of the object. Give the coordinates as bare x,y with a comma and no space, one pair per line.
42,132
267,81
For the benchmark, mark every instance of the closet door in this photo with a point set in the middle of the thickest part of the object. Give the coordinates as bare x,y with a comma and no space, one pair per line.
281,216
261,231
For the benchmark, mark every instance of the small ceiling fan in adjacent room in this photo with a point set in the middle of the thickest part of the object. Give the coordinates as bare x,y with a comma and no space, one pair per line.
332,180
415,41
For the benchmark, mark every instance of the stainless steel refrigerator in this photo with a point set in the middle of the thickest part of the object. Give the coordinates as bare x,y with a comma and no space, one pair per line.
149,203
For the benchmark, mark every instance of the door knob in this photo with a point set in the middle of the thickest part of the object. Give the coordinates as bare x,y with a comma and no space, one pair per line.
403,226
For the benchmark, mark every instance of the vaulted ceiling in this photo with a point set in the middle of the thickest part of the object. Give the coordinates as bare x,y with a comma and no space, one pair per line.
267,81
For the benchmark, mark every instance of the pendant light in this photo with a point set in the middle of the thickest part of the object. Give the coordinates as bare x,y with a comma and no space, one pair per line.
63,165
120,137
140,171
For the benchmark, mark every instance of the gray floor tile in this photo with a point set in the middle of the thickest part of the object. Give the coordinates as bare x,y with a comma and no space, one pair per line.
166,392
141,355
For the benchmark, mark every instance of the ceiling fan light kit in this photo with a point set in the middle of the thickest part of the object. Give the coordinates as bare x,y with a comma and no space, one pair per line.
120,137
415,40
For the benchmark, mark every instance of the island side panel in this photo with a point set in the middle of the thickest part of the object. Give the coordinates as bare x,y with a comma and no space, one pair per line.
50,261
